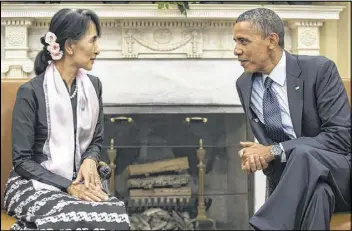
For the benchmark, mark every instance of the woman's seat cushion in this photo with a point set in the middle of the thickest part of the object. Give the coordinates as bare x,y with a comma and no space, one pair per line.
341,221
6,221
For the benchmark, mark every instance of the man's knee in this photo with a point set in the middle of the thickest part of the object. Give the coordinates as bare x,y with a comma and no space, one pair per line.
311,157
301,151
305,157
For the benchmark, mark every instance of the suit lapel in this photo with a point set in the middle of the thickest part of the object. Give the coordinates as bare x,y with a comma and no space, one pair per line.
294,92
247,92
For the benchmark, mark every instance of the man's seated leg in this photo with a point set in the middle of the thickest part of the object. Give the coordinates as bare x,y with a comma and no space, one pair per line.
306,168
320,208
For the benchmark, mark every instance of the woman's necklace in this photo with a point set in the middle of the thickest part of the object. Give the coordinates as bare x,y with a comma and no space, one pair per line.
74,93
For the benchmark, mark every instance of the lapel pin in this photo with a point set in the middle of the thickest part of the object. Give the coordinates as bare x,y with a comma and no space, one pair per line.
297,88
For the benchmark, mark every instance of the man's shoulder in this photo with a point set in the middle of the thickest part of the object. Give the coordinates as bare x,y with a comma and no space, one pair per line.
311,61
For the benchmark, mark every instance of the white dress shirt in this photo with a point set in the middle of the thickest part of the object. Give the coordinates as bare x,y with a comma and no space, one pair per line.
278,75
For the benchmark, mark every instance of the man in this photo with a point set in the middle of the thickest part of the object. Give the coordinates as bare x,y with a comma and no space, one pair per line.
299,112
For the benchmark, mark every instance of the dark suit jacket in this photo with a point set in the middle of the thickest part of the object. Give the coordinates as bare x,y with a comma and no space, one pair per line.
318,103
30,132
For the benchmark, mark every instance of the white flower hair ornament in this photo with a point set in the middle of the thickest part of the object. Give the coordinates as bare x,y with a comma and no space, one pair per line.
53,47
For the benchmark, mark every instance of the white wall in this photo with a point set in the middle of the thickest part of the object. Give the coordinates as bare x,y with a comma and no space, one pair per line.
169,81
259,189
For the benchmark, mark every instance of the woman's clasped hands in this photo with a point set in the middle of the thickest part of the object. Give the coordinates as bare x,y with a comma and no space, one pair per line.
91,189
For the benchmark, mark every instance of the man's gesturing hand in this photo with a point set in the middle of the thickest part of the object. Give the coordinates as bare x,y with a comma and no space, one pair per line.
254,156
89,173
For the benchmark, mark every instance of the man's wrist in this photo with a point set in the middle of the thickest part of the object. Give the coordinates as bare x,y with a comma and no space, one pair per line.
276,151
270,155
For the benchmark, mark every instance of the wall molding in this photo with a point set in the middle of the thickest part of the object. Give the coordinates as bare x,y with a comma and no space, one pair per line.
150,11
142,31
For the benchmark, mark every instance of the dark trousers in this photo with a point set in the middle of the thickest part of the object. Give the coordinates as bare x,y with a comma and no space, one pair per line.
314,184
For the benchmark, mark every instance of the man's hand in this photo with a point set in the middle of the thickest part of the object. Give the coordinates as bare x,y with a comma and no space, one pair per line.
254,156
89,173
254,163
93,193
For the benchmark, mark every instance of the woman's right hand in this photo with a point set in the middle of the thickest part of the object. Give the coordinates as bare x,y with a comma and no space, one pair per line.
93,193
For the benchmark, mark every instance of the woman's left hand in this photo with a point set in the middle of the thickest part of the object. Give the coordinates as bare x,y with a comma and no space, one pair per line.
89,173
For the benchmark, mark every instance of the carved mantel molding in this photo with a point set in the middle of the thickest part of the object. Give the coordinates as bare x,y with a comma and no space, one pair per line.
150,11
305,36
141,31
16,64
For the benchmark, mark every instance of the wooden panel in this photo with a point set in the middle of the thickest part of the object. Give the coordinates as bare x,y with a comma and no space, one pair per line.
347,83
6,221
8,96
340,221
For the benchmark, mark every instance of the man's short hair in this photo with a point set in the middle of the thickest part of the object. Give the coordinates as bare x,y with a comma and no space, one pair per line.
266,21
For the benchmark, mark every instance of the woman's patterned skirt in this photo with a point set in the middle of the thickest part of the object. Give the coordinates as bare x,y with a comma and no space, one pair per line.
57,210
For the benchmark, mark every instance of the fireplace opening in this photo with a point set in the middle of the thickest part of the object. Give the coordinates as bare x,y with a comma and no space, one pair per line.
179,171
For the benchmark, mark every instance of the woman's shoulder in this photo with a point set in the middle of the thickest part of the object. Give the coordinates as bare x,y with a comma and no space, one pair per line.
31,89
94,79
96,84
34,83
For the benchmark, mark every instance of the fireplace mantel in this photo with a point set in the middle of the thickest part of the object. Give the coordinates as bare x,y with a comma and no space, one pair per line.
159,57
144,32
150,11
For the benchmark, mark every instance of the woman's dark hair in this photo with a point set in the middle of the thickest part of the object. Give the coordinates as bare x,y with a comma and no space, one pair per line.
66,24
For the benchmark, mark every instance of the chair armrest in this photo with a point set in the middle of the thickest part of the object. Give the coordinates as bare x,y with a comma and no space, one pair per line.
104,170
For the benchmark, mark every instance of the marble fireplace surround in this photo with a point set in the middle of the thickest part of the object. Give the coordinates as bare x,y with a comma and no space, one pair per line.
159,61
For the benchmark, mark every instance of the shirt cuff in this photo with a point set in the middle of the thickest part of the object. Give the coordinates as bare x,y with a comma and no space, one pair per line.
283,154
91,155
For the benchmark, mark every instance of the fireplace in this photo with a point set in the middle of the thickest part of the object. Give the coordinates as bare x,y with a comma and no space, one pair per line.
158,160
168,71
154,111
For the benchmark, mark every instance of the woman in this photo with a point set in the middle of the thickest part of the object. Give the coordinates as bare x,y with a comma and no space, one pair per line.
57,135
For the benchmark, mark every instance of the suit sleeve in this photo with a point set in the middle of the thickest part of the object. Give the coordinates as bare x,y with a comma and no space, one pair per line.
334,112
23,134
94,149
